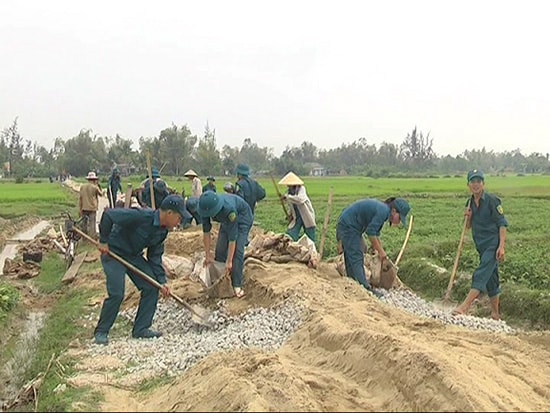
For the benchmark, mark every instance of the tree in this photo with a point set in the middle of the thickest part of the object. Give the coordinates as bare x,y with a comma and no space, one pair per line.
254,156
84,153
176,148
207,155
230,157
15,149
416,150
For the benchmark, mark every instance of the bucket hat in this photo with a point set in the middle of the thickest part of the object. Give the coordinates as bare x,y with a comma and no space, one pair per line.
91,176
403,208
242,169
175,203
210,204
154,173
475,173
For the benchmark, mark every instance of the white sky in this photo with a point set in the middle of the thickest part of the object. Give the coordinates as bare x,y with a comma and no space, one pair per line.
471,73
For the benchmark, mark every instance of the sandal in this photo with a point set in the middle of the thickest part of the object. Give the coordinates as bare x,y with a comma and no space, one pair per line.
239,292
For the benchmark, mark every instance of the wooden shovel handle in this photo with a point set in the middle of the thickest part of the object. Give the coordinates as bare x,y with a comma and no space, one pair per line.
405,242
457,258
140,273
151,189
325,225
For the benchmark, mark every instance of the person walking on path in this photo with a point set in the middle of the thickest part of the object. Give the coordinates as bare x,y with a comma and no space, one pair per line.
88,202
196,185
367,216
235,218
301,210
127,232
485,216
210,186
113,187
247,188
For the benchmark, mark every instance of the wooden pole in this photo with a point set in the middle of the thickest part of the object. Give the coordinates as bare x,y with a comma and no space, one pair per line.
151,189
405,242
325,224
458,252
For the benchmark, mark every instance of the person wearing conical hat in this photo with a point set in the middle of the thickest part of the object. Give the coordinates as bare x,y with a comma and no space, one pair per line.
196,185
113,187
88,202
301,209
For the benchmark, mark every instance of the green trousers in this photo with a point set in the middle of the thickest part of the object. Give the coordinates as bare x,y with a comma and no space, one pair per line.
115,274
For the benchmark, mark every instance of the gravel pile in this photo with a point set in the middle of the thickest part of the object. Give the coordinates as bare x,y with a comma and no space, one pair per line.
184,343
411,303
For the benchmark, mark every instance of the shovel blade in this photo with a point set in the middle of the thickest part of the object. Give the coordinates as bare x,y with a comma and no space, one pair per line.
201,316
445,305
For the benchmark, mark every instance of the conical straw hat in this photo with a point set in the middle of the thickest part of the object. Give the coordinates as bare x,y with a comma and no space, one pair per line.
190,172
291,179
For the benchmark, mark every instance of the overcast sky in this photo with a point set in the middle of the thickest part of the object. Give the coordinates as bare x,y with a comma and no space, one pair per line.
473,74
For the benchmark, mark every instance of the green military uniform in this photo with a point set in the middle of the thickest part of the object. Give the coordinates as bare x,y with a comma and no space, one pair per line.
487,218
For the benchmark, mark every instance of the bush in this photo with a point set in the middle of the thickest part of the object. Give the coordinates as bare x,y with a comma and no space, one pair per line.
8,298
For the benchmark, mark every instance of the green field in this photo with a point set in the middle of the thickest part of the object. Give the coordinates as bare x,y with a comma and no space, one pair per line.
42,199
437,205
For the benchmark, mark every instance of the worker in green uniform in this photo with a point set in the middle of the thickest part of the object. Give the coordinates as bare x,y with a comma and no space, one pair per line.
235,218
113,187
127,232
191,205
485,216
367,216
210,186
248,188
160,189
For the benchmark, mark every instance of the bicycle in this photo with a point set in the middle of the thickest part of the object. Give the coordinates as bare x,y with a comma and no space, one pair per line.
73,237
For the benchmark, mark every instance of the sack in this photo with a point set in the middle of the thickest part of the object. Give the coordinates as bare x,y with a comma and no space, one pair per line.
260,191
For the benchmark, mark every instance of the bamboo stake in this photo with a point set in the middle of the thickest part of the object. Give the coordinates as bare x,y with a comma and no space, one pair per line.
325,224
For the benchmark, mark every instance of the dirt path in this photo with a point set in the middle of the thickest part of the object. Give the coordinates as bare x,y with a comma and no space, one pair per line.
353,353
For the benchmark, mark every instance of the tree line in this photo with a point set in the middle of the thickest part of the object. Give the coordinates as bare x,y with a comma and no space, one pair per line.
176,149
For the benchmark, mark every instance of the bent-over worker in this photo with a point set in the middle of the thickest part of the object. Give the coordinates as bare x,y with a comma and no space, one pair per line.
367,216
127,232
235,218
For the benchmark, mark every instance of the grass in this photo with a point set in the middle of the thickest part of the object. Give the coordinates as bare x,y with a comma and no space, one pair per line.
40,199
51,273
437,206
60,328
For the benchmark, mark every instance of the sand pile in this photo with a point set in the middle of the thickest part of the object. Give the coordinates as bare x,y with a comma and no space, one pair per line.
352,353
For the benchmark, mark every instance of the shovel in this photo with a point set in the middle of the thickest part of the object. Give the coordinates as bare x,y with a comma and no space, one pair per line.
198,315
446,302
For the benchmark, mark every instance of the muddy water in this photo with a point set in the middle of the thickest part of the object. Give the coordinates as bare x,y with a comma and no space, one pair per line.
13,371
10,250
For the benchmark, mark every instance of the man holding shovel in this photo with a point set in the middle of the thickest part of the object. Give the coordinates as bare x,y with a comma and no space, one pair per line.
127,232
486,218
367,216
